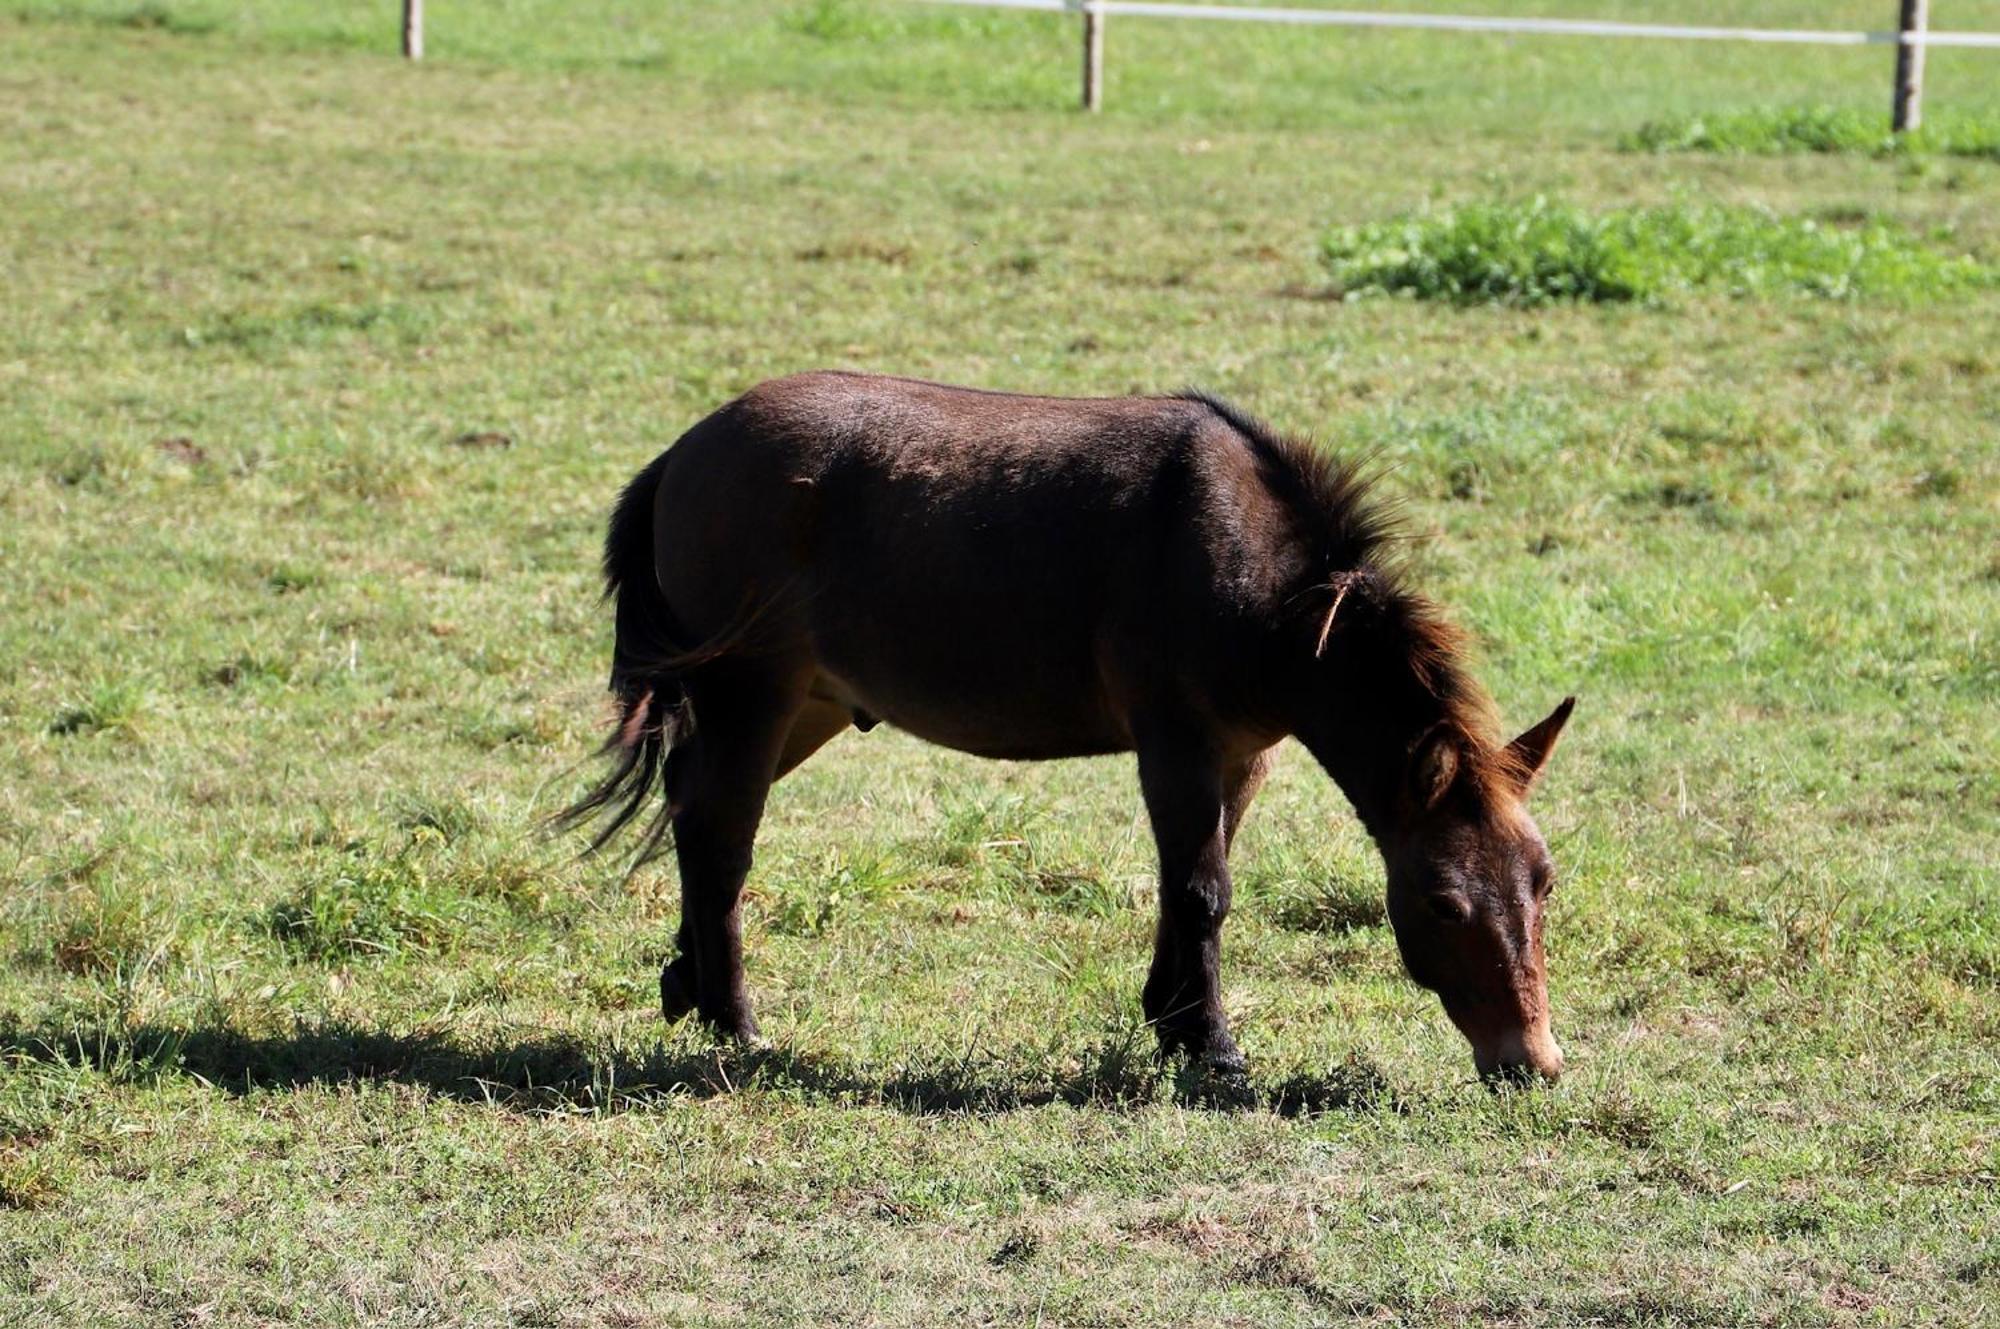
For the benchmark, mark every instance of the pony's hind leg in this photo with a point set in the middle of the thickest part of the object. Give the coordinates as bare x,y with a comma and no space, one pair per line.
812,726
741,724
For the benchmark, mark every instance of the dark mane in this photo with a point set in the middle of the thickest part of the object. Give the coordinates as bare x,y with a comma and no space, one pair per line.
1358,537
1332,498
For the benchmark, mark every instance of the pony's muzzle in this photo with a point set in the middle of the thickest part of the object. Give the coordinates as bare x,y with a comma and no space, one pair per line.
1520,1059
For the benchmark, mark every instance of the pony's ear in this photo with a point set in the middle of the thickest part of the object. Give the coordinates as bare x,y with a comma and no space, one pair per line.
1433,766
1528,754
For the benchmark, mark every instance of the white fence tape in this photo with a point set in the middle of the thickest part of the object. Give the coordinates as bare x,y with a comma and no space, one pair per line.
1560,27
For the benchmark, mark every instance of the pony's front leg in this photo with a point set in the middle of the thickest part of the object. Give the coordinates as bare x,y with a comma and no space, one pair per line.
1183,783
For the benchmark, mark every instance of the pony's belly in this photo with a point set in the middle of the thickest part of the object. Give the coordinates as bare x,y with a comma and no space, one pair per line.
1010,725
1010,742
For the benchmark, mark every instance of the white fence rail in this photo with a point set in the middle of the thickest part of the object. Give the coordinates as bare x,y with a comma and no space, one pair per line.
1911,37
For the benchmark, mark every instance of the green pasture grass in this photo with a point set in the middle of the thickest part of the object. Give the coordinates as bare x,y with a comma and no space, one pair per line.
1540,251
1817,128
319,372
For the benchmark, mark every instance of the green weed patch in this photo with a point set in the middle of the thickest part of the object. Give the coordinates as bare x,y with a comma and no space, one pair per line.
1541,252
1777,130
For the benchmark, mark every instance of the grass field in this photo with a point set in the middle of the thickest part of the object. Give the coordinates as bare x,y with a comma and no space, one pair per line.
318,372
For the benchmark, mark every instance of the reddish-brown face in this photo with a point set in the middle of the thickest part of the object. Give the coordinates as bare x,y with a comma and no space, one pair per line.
1468,881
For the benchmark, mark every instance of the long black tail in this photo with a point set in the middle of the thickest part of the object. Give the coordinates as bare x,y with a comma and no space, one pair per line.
653,711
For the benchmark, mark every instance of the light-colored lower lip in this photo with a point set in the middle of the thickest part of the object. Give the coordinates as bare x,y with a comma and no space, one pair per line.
1523,1073
1531,1052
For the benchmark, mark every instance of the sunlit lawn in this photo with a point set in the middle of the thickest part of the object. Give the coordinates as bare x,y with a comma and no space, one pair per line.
318,372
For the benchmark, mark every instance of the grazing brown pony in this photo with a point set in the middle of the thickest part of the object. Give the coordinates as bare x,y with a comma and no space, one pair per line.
1039,577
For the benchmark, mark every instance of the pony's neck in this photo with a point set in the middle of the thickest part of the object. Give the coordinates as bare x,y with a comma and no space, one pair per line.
1368,706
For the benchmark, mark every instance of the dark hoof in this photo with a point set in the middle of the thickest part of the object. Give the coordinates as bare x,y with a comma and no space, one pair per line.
1223,1084
676,990
743,1035
1230,1063
1203,1045
1213,1073
737,1028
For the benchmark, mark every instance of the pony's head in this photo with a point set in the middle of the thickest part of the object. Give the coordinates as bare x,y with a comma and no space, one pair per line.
1468,877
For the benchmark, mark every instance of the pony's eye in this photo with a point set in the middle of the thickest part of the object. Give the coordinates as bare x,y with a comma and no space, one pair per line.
1545,881
1448,906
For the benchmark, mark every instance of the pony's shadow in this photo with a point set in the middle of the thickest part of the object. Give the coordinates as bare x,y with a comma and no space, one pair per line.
557,1072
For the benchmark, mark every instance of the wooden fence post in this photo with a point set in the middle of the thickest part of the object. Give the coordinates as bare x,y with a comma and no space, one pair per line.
413,29
1909,105
1093,56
